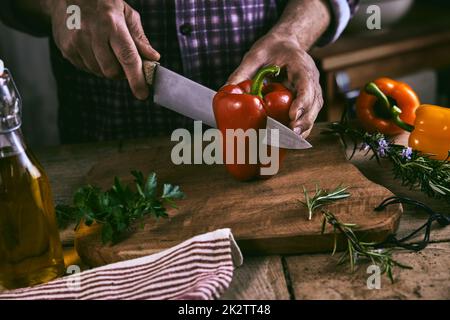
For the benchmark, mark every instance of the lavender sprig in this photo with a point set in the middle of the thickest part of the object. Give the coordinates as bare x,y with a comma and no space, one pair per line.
415,170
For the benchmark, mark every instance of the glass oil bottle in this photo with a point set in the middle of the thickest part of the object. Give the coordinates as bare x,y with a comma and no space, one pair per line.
30,248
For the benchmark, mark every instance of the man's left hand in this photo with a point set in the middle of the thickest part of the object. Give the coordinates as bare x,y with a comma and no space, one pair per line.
302,76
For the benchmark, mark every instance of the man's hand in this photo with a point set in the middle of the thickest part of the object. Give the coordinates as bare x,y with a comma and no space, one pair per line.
109,44
302,77
286,45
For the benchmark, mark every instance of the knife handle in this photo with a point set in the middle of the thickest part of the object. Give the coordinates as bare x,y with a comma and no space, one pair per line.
149,68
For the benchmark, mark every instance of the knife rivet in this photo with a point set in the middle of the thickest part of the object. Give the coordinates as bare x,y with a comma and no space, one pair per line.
186,29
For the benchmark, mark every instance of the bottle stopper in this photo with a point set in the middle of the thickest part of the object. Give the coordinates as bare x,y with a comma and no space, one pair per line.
10,102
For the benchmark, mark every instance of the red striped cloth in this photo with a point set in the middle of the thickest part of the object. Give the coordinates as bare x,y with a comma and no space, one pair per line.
200,268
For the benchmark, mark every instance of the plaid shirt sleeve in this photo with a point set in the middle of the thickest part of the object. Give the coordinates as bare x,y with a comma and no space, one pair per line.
342,11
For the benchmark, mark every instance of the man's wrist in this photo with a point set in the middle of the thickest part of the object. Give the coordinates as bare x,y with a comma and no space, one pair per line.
303,22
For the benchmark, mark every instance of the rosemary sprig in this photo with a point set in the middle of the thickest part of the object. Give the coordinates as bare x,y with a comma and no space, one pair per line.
358,249
414,169
322,197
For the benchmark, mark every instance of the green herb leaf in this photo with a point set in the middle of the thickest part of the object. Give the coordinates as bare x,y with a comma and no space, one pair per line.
151,184
414,169
322,197
357,249
119,207
172,192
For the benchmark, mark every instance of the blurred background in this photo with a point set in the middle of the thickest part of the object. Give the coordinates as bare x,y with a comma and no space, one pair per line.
28,59
413,45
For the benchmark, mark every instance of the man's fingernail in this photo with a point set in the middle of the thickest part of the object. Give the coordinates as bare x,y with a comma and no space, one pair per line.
157,55
298,130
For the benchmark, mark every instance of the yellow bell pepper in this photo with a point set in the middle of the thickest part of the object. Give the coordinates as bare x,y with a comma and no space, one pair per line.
431,133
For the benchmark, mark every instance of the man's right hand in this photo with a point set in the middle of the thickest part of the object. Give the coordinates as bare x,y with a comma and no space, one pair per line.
109,44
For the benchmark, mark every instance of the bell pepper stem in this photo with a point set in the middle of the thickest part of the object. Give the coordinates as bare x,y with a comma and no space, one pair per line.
394,111
258,79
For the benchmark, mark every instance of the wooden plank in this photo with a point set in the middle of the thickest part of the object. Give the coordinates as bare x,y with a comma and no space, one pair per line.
426,25
370,50
318,277
259,278
269,221
398,65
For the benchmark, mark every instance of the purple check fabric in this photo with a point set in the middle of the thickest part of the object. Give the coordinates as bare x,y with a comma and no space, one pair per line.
204,40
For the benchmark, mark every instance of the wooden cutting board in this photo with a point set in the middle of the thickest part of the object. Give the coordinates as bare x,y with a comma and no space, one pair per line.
265,216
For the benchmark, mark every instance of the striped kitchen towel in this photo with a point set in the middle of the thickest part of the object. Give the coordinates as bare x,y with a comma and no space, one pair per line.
199,268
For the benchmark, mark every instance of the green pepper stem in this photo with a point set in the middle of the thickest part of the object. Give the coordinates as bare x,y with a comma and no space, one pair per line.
396,111
258,80
393,110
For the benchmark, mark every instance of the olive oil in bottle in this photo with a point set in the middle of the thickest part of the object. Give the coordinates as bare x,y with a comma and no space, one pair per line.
30,248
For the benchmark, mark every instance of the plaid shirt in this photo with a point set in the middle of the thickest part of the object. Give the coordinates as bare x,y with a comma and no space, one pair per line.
204,40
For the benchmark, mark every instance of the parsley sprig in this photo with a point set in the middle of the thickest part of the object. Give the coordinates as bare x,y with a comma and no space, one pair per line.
119,207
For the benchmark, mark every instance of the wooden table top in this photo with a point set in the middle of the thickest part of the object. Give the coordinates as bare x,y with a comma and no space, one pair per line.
309,276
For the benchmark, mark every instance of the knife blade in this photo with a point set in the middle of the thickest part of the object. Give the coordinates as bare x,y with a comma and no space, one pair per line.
193,100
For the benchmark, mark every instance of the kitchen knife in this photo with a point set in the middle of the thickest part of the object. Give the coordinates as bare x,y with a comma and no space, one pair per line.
193,100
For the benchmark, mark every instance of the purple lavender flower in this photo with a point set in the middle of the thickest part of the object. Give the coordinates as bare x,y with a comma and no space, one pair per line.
383,147
406,153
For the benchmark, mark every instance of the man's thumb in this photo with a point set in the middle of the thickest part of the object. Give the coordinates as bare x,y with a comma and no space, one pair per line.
245,71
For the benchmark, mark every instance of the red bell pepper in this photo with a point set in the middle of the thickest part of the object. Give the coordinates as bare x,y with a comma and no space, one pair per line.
246,106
